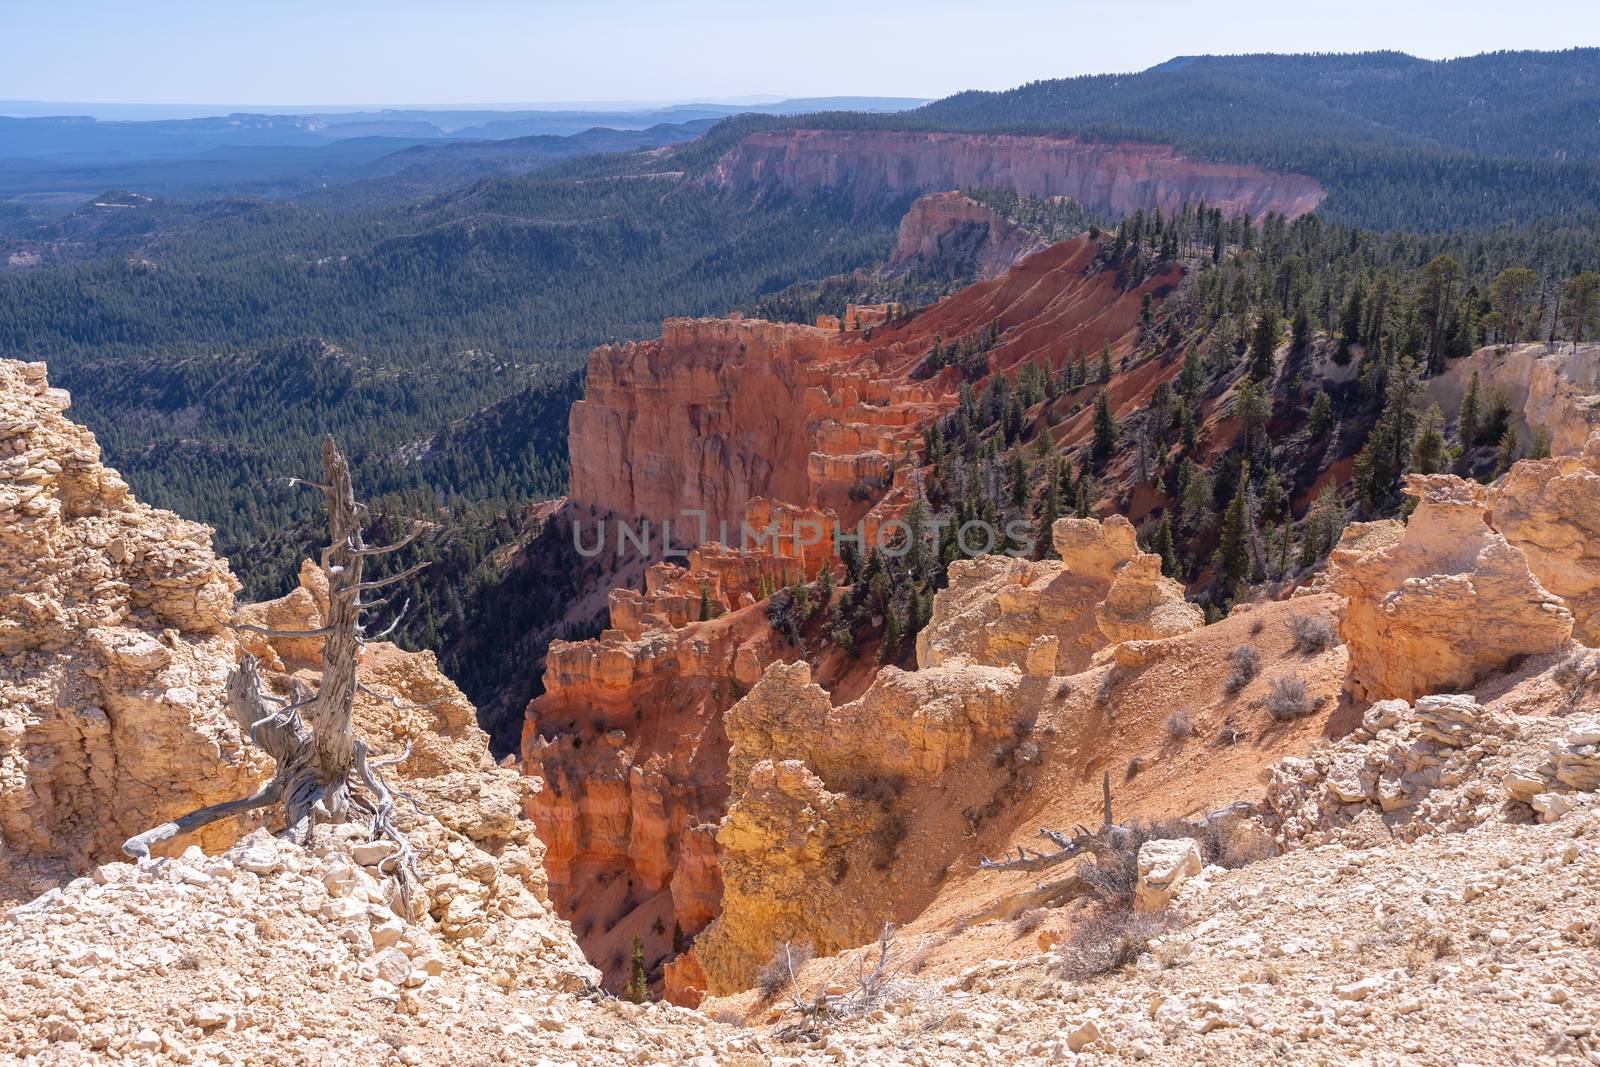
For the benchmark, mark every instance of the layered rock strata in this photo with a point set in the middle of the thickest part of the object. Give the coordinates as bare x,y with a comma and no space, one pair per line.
1115,177
821,794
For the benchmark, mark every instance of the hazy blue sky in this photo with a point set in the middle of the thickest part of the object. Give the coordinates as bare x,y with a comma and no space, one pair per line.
374,52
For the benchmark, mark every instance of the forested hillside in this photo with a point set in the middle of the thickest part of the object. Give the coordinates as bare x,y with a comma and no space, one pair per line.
211,348
1400,142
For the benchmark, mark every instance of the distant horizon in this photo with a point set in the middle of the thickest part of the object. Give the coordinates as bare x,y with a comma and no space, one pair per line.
197,109
186,55
190,109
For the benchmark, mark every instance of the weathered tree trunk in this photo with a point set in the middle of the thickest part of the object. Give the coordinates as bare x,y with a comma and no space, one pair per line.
320,761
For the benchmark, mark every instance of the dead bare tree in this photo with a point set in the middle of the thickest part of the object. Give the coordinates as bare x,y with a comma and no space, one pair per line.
877,981
1099,843
325,773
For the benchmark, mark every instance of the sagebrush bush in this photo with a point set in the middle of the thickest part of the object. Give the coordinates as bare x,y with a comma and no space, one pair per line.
1287,698
1312,634
1244,664
1179,725
1108,939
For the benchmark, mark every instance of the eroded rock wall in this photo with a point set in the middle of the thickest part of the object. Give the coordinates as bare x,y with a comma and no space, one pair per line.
954,228
822,795
1119,178
1553,387
1550,509
1449,603
113,649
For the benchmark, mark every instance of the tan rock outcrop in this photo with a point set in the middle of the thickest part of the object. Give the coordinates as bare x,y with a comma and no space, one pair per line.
1397,766
1102,591
118,644
1451,602
1553,387
814,813
1119,178
1163,866
1550,509
953,227
113,649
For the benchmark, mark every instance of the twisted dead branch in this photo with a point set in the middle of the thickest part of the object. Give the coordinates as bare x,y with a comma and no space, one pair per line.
325,774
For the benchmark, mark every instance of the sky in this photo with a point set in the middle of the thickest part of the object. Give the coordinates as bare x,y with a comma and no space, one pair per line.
392,52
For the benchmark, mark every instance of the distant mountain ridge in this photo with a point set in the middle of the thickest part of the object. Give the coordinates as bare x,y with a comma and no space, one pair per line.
68,135
1399,142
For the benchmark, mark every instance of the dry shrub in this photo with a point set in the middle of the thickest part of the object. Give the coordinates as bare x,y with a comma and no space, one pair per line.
1179,725
1135,765
1312,634
780,971
1244,664
1107,939
1112,878
1287,699
1029,921
886,837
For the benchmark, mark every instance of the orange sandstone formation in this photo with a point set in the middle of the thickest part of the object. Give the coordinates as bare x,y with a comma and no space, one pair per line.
766,426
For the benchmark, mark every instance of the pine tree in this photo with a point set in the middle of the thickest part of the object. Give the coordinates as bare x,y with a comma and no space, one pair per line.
1506,454
638,989
1388,449
891,635
851,558
1082,504
825,586
1105,429
1320,418
1539,448
1273,497
1192,376
1233,552
1467,421
1263,342
705,602
1163,546
1049,507
1300,331
1105,363
1017,478
1199,503
1350,321
1428,451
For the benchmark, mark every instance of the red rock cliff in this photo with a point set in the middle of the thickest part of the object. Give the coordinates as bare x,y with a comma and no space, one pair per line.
1117,177
778,424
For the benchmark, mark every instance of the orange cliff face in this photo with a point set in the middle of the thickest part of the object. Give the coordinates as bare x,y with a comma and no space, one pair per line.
1116,177
766,425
